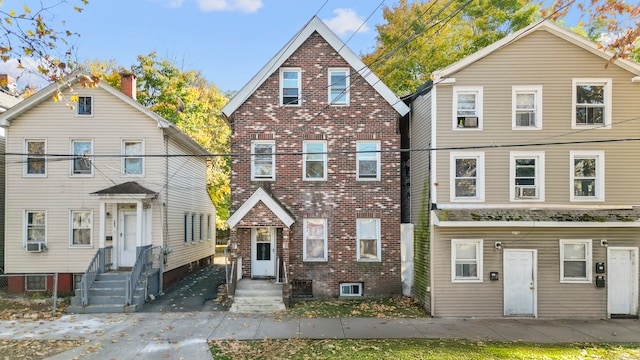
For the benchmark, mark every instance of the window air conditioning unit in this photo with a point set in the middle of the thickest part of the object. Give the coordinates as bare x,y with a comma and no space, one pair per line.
468,122
525,192
36,247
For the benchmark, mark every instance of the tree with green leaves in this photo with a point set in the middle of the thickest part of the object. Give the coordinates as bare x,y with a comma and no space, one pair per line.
421,37
24,34
193,104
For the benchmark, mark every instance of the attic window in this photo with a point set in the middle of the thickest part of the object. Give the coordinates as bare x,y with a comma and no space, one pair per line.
290,87
85,105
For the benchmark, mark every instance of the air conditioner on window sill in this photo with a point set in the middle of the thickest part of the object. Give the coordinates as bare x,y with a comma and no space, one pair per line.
524,192
36,247
467,121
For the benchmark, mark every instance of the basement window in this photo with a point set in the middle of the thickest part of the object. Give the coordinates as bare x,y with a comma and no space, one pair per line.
351,289
36,283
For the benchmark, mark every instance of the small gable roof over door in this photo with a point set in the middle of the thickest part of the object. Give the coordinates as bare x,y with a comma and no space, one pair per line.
252,201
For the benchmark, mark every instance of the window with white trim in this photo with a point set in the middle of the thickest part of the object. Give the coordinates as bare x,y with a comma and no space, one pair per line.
35,161
575,261
592,103
35,226
133,157
202,230
187,228
315,239
587,175
526,107
290,87
368,160
338,86
466,260
263,160
368,239
208,226
351,289
527,176
193,227
82,151
85,106
467,107
80,234
467,176
314,160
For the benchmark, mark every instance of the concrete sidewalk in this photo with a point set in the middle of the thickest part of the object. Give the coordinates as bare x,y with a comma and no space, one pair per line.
184,335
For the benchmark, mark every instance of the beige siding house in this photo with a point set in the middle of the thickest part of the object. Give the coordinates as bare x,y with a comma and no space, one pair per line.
109,179
526,186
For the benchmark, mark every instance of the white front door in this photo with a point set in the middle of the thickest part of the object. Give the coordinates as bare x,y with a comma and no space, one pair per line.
127,239
263,252
622,293
519,276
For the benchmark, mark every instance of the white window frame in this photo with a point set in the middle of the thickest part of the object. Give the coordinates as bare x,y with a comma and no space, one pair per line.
588,261
27,156
305,159
478,243
351,286
72,228
607,83
282,72
598,156
377,239
272,176
539,175
187,228
477,91
479,157
305,237
343,92
26,227
193,227
126,157
536,90
81,158
90,106
362,156
208,226
202,224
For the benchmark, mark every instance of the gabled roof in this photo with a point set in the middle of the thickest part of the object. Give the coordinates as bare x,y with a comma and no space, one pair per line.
314,25
271,203
74,79
546,25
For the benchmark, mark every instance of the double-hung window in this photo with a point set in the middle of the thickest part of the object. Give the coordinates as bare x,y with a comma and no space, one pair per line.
466,260
368,160
35,226
314,160
35,163
290,87
82,151
467,107
527,176
575,261
80,228
587,175
467,176
263,160
187,227
315,239
338,86
368,239
527,107
592,103
133,157
85,105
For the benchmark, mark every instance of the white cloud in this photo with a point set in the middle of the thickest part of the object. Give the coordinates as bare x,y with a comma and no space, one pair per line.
345,21
27,76
174,3
247,6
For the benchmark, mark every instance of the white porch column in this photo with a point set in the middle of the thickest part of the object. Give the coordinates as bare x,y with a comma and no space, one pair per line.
139,206
103,223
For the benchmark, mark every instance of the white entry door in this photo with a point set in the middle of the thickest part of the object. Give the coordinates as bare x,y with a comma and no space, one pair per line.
519,276
263,252
622,293
128,237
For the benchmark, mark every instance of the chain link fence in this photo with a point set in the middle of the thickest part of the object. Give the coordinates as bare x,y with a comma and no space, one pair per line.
28,295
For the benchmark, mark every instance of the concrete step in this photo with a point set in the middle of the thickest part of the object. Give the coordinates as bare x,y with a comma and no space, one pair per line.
255,308
258,292
257,297
97,309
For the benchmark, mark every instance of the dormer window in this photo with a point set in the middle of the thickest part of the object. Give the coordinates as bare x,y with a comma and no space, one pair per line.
85,106
290,88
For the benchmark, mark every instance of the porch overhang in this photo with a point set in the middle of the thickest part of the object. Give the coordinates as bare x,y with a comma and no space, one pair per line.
131,190
540,218
261,195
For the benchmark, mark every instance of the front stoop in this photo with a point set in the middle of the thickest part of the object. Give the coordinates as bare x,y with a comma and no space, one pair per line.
107,295
257,297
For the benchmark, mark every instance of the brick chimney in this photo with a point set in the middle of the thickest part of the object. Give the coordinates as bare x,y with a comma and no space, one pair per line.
128,84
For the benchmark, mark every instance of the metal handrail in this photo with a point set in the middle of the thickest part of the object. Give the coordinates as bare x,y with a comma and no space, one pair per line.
143,261
89,277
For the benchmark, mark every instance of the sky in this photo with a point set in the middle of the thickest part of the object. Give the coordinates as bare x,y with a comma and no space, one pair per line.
228,41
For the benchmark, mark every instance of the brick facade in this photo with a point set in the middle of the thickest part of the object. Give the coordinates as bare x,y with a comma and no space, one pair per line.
341,199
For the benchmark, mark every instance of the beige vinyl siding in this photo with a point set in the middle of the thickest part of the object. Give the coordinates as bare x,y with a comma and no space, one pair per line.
555,299
548,61
187,194
58,192
2,200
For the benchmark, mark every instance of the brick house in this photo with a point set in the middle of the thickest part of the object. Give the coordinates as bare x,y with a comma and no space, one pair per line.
315,196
